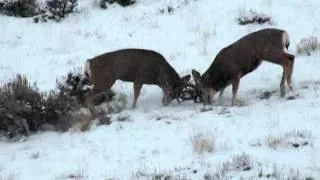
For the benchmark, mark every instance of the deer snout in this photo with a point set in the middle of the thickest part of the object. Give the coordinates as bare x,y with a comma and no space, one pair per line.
207,95
167,98
208,99
165,102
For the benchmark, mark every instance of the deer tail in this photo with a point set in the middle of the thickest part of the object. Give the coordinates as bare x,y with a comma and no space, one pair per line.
285,39
87,70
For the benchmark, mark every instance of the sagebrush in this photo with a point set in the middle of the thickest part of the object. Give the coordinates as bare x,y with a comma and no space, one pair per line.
238,163
24,109
57,10
253,17
123,3
19,8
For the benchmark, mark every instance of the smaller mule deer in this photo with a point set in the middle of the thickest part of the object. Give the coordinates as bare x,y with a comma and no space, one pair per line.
241,58
139,66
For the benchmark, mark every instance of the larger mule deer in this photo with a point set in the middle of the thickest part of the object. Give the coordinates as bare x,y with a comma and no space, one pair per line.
139,66
241,58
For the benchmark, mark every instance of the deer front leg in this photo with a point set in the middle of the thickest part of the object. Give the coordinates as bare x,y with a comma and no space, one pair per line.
137,88
235,87
221,92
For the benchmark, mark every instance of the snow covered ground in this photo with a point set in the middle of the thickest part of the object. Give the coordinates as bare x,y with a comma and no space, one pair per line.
156,141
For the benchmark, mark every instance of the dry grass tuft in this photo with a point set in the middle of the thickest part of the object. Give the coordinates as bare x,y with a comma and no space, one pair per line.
146,174
203,142
274,141
308,45
296,138
238,163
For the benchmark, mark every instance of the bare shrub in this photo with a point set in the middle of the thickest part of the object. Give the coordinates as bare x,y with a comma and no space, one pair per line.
252,17
123,3
274,141
238,163
34,155
19,8
168,9
308,45
230,170
296,138
156,175
203,142
116,104
20,107
282,172
24,109
241,162
205,33
57,10
53,9
75,84
205,39
79,174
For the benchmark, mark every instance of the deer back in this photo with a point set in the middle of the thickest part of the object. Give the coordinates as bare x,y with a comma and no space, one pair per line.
244,56
144,66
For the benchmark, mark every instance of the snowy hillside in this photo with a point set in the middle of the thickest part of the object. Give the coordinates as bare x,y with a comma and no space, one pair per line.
273,137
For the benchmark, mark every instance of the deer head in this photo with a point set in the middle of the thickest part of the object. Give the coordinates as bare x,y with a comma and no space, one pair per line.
203,90
175,91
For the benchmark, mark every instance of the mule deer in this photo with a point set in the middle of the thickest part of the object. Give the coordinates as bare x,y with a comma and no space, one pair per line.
139,66
241,58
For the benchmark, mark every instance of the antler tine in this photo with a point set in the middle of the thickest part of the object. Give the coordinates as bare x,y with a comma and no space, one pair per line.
188,94
189,84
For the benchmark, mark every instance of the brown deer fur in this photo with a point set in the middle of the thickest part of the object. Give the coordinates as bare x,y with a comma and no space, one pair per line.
139,66
241,58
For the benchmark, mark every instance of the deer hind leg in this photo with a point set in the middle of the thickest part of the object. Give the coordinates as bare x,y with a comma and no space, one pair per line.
285,74
291,66
89,101
95,91
287,64
137,88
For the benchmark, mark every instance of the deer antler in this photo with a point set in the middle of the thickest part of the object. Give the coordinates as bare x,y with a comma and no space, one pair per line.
188,93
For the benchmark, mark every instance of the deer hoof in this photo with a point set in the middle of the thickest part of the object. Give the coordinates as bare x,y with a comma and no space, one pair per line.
239,103
282,93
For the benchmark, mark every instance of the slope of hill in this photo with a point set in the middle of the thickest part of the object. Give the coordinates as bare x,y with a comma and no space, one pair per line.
270,137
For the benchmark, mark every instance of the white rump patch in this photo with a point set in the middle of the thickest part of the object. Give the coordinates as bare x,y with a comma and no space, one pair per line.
87,68
285,40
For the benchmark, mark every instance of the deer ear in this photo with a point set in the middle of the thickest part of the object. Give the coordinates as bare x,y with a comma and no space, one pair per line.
185,79
196,76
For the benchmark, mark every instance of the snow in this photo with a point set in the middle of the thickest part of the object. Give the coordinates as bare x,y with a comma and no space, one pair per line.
156,139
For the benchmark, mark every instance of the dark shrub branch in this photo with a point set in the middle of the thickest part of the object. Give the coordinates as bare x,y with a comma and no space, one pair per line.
19,8
123,3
